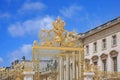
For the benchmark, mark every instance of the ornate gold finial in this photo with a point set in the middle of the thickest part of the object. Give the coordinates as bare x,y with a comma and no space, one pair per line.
59,18
58,30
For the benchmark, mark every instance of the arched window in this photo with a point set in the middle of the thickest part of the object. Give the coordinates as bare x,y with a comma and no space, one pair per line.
95,59
104,61
114,55
87,63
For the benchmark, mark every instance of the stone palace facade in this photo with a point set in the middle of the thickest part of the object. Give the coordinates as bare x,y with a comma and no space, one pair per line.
102,46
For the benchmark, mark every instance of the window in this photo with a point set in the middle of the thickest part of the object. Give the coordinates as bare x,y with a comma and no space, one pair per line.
87,49
95,59
115,63
114,40
104,65
95,47
104,44
95,63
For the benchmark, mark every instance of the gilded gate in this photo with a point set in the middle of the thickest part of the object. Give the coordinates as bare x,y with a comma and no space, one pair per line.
60,41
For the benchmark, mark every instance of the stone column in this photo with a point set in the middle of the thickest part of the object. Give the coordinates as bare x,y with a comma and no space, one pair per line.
67,68
109,62
28,75
74,68
61,68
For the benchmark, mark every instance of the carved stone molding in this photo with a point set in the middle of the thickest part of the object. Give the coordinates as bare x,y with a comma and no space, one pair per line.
95,58
103,56
114,53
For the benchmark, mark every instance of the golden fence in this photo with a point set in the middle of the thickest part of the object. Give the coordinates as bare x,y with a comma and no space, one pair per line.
107,76
102,75
15,73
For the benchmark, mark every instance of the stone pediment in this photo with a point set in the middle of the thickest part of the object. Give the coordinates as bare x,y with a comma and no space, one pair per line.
87,60
104,56
95,58
114,53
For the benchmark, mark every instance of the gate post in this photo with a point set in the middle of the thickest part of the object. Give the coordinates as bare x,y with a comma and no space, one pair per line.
89,75
28,75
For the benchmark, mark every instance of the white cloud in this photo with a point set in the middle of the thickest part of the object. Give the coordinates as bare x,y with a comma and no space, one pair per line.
30,26
16,29
31,6
1,60
24,50
70,11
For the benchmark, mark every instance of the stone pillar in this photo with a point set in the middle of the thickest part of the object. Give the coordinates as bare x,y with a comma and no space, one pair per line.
67,68
88,75
28,75
109,62
74,68
61,69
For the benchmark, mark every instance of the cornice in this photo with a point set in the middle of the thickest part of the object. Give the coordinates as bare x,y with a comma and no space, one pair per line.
100,28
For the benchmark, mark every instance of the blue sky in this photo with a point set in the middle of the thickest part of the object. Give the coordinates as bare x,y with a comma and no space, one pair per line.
21,20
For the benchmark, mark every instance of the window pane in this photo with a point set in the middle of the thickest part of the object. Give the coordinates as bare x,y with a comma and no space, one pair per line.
95,46
104,65
115,63
104,43
114,38
95,63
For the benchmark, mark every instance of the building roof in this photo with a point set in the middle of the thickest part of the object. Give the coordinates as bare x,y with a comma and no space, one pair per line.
101,27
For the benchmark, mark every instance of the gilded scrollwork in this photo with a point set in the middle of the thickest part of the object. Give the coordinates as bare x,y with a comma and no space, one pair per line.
58,36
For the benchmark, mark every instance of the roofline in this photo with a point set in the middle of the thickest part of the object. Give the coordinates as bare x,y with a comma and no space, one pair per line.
101,27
